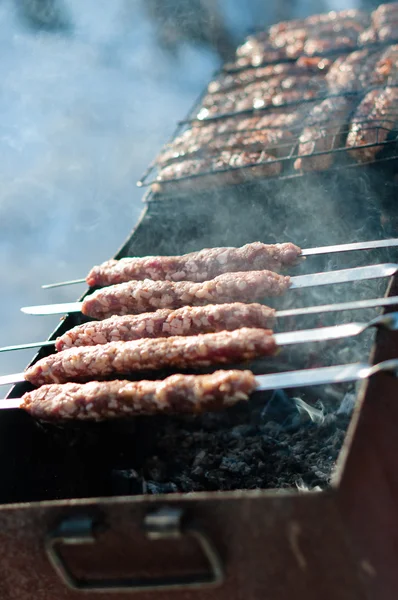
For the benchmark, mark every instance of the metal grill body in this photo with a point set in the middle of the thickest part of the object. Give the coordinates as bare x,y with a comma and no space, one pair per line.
67,530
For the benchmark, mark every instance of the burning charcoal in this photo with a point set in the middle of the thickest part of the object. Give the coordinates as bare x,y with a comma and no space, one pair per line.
153,487
126,482
199,458
156,469
244,449
232,464
242,431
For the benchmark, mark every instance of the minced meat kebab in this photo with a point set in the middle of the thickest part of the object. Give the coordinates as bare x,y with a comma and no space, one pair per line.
100,400
188,320
196,266
134,297
118,358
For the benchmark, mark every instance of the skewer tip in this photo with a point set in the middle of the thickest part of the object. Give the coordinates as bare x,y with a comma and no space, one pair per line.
27,346
48,286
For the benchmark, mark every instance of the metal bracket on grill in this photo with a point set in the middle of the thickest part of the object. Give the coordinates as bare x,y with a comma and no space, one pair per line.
164,523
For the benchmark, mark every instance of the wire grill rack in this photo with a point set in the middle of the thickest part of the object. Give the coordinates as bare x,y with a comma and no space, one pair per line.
383,133
203,117
277,158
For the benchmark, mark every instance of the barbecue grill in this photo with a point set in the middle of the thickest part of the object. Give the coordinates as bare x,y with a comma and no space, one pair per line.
52,467
85,507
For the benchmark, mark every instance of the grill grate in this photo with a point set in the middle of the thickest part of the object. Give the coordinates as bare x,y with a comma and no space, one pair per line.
288,152
203,117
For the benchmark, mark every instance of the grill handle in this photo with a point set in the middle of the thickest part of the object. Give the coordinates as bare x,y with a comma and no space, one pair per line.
164,523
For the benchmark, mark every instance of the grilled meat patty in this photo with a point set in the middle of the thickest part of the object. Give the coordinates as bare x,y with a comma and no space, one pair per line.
121,358
100,400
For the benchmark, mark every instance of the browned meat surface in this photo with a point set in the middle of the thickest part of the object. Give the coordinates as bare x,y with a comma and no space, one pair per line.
188,320
122,358
353,72
386,69
292,41
258,57
374,118
319,39
275,140
384,25
315,63
318,45
385,14
228,81
135,297
262,94
388,33
196,266
298,95
218,169
190,141
311,36
100,400
199,137
323,133
369,36
285,26
281,117
228,99
314,36
254,44
316,21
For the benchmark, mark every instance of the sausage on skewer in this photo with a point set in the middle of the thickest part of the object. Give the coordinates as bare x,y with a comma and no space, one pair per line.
165,322
196,266
100,400
134,297
118,358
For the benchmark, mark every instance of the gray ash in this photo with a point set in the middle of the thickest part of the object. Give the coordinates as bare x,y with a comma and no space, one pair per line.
279,444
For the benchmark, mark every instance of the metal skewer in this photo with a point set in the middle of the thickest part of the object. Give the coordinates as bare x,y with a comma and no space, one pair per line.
388,321
62,283
297,282
306,252
325,375
294,379
292,312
